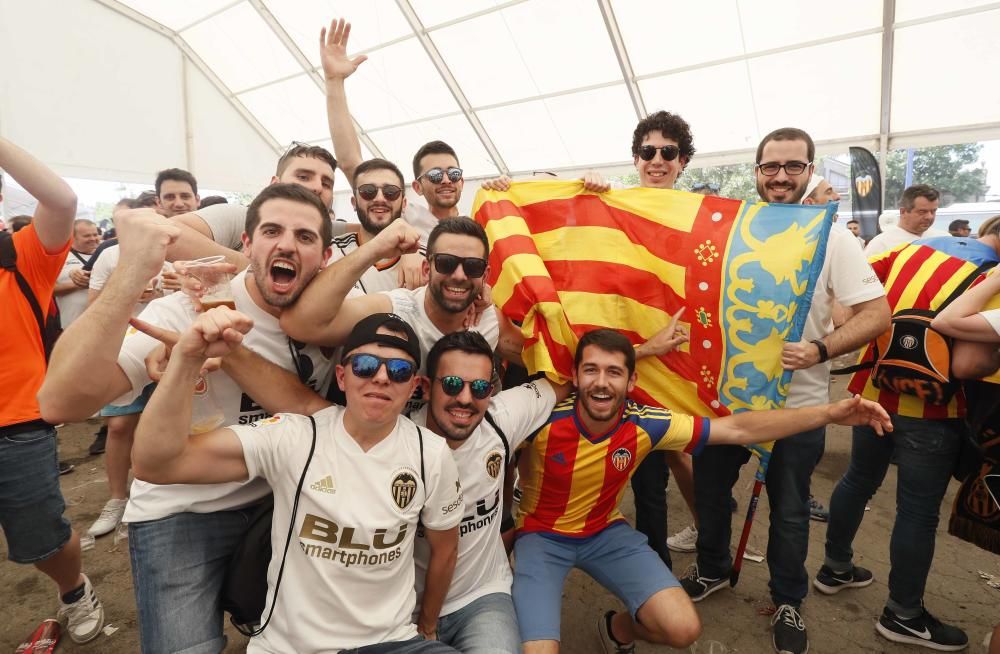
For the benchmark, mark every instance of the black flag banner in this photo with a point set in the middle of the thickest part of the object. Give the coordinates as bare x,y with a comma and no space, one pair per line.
866,191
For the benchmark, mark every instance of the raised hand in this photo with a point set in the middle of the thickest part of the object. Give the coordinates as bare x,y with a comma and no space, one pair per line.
143,236
156,360
666,340
397,239
501,183
858,411
595,182
333,51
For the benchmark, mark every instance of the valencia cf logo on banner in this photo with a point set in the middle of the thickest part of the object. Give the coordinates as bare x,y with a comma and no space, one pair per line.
494,463
863,184
620,459
404,487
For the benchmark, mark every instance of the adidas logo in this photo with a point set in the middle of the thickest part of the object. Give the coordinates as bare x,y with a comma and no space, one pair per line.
324,485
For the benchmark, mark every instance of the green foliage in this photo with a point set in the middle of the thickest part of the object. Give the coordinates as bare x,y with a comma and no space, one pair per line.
951,169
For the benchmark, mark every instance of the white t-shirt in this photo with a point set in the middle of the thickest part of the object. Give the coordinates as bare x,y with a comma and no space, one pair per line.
409,305
349,574
993,317
847,278
421,219
151,501
72,304
106,264
482,566
227,223
896,235
380,278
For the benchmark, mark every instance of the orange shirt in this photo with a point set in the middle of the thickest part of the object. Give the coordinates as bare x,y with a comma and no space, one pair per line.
22,357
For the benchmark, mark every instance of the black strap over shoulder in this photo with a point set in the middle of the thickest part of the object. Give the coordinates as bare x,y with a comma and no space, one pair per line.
420,438
503,438
8,261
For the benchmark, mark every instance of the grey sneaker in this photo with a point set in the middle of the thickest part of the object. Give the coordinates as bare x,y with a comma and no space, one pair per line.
611,646
84,618
817,511
685,540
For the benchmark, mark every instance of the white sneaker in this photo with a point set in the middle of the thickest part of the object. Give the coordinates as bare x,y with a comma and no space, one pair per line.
685,540
84,618
111,516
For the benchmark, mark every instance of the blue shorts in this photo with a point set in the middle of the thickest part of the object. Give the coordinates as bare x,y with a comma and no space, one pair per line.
31,503
619,558
137,405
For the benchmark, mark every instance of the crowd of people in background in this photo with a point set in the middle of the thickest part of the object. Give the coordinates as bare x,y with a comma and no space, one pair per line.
359,375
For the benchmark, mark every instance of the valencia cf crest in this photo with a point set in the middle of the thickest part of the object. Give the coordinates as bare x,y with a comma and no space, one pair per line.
404,487
620,459
494,463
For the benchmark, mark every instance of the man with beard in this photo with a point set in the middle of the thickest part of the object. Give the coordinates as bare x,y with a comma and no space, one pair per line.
378,200
181,536
578,465
456,266
783,170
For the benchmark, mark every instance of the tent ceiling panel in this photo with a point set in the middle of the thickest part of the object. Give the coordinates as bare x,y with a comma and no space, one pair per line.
340,182
399,144
292,110
240,47
398,84
177,14
721,114
812,82
917,9
373,22
507,55
782,23
942,74
574,129
435,12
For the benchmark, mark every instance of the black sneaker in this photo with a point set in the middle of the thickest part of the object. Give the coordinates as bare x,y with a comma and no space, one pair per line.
789,631
829,582
817,511
924,630
100,441
698,587
65,468
610,644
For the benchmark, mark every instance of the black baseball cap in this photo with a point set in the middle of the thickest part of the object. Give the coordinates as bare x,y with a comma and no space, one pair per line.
366,331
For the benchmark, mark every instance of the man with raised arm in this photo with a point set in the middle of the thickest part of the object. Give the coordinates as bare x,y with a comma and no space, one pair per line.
347,581
31,503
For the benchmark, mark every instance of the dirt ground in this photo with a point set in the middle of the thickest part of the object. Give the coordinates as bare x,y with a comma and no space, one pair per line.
734,621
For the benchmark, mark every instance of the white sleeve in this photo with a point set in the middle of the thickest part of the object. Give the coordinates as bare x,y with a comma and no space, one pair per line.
135,347
226,222
851,277
521,410
489,327
273,444
993,317
444,506
403,304
103,267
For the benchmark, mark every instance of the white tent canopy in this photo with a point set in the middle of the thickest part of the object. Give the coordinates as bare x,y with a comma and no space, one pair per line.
116,90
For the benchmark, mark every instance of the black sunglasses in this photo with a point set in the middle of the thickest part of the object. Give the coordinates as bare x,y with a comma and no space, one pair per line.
771,168
366,366
436,175
390,192
668,152
453,384
446,264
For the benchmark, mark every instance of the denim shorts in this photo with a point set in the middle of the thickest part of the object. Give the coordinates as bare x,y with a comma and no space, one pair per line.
31,503
137,405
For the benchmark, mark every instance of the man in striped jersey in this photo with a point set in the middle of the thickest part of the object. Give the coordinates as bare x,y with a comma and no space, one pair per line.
925,447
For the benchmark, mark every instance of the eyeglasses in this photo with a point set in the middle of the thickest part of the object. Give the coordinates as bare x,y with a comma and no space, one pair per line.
446,264
436,175
668,152
453,384
701,186
367,366
771,168
369,192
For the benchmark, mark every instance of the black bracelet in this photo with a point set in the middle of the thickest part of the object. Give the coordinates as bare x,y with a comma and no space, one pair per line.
823,354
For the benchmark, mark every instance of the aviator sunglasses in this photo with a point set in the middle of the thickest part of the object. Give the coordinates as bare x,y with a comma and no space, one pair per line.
668,152
436,175
446,264
453,384
390,192
366,366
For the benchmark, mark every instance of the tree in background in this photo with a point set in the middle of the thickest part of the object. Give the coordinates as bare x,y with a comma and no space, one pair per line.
952,169
735,181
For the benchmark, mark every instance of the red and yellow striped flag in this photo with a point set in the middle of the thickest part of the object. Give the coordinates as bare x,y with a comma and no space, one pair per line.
564,261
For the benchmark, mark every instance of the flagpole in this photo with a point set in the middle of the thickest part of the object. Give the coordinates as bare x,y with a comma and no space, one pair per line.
759,477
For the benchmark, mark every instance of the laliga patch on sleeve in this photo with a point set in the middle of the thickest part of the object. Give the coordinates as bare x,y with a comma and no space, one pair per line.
268,421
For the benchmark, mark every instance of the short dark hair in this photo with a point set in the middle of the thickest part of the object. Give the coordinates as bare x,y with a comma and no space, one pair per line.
608,340
910,195
852,221
672,126
788,134
458,225
377,164
295,193
433,147
145,199
212,199
958,224
463,341
177,175
17,223
304,150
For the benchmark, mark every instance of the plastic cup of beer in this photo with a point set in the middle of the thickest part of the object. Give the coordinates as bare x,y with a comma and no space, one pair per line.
216,288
